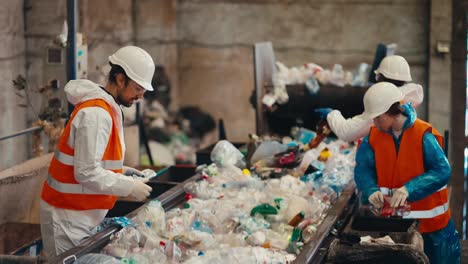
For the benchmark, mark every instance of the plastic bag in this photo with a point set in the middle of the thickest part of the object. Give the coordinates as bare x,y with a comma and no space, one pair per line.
224,154
268,149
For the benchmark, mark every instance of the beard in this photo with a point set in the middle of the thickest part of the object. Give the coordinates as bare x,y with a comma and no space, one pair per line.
125,102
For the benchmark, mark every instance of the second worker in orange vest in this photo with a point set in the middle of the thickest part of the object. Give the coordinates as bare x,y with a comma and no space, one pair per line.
402,157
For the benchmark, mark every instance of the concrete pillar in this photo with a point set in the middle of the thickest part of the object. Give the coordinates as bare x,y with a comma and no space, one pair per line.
439,88
12,64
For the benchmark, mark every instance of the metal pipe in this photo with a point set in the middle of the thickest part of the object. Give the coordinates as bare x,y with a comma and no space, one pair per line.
71,44
25,131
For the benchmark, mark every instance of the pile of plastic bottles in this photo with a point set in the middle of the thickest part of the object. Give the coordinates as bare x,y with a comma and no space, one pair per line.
232,216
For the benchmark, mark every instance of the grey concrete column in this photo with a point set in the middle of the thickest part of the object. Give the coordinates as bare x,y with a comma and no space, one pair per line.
439,88
12,63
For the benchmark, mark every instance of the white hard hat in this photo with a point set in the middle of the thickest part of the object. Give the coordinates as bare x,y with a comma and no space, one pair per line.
137,64
395,67
380,97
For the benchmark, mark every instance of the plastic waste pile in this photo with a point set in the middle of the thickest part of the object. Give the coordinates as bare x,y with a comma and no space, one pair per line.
233,214
312,75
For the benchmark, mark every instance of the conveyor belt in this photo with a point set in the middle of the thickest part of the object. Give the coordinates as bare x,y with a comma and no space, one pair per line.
313,252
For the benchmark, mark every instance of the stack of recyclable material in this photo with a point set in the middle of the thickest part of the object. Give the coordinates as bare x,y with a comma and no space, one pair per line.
233,216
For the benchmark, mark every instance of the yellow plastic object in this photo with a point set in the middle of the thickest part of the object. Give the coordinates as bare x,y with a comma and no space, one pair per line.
325,154
246,172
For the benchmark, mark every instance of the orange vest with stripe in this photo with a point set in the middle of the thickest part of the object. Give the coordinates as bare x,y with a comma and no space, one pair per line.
395,169
61,189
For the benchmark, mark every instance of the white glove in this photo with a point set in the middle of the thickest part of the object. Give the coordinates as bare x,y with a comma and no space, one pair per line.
140,190
128,171
377,199
399,197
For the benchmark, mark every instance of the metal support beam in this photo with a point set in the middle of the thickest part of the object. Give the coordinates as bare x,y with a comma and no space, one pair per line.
25,131
71,44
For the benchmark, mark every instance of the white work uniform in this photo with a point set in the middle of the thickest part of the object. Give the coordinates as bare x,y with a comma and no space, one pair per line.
354,128
63,229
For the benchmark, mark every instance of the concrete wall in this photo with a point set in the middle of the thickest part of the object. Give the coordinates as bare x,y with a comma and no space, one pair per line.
216,38
156,32
206,45
12,63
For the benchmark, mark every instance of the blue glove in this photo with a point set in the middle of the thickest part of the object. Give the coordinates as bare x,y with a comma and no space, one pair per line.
323,112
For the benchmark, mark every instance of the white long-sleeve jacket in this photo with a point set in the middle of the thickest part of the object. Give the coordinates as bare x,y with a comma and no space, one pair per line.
352,129
90,131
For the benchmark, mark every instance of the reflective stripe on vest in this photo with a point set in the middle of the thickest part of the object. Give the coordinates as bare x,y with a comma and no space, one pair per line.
428,213
106,164
74,188
389,192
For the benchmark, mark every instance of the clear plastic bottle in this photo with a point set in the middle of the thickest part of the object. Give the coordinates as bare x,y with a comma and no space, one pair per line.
244,184
338,75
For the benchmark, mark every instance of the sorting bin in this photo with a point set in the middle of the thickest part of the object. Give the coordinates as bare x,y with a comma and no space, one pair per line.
167,178
124,207
175,174
408,247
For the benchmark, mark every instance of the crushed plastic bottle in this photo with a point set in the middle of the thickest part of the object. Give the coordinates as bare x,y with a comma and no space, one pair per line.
303,135
338,75
244,184
201,226
312,86
323,130
387,211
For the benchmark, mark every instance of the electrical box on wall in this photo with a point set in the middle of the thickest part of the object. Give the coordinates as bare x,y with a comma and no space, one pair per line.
55,65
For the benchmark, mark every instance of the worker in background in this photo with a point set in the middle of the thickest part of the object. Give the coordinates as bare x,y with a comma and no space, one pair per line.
86,174
393,69
402,157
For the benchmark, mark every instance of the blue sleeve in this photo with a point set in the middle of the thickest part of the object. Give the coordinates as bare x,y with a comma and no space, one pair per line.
436,174
365,174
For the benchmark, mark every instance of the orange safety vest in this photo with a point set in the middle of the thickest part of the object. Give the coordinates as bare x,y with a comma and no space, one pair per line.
61,189
395,169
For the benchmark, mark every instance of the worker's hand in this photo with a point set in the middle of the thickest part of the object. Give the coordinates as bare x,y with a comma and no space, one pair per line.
399,197
128,171
323,112
377,199
140,189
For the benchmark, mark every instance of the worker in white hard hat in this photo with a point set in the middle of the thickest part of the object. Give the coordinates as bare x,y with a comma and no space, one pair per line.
393,69
402,158
86,174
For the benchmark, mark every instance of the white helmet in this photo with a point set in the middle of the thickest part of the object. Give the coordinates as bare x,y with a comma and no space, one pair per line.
137,64
394,67
380,97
